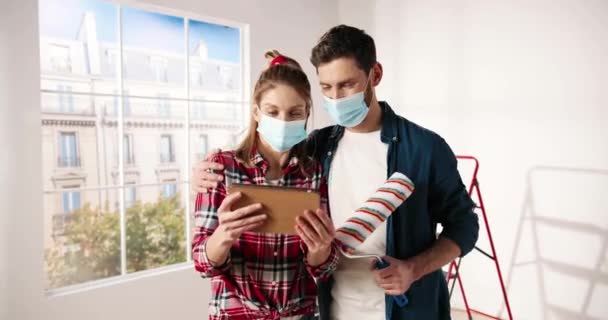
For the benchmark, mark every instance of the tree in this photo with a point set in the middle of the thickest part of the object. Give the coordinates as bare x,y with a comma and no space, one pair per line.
89,249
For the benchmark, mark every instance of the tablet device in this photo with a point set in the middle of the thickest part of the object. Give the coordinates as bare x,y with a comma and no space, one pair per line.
281,204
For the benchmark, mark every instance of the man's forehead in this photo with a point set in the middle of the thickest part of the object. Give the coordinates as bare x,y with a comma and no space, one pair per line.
339,70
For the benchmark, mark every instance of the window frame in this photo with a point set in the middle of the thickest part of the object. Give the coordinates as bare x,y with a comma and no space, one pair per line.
123,97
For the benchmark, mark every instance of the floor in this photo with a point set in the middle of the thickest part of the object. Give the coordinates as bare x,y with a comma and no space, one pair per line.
462,315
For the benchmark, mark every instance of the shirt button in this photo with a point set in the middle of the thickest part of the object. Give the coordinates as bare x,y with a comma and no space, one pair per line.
276,253
212,310
395,138
274,283
329,153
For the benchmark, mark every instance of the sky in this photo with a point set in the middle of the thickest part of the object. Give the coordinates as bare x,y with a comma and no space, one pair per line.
62,19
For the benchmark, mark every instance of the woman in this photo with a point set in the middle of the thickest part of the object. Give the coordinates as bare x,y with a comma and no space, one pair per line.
256,275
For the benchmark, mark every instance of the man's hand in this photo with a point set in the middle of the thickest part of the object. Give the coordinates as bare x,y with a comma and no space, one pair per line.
396,278
317,231
202,178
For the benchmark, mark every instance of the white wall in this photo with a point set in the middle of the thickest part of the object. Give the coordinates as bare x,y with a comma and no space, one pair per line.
522,86
5,165
21,246
291,28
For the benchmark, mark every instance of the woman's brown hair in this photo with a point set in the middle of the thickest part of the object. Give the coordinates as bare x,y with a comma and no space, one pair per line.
288,72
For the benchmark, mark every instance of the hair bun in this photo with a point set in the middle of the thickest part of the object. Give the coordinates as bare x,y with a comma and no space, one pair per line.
273,54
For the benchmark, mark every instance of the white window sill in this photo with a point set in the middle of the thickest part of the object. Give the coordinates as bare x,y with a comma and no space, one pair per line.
117,280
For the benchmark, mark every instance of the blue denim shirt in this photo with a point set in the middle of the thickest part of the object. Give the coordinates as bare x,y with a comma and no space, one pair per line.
439,198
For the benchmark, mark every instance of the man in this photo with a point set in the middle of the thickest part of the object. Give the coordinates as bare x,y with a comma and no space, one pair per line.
368,144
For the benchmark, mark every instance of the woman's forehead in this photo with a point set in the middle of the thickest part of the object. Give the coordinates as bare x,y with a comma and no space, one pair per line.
283,97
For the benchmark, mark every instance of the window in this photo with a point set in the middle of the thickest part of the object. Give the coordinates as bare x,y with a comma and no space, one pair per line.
204,146
112,57
71,200
68,150
129,157
170,59
59,58
166,149
126,104
226,76
198,108
66,100
164,107
169,190
159,67
130,195
59,222
196,76
235,140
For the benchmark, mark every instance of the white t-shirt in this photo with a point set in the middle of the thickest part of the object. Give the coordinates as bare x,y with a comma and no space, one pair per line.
357,170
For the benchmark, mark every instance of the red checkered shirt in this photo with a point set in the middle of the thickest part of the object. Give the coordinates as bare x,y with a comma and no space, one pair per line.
266,275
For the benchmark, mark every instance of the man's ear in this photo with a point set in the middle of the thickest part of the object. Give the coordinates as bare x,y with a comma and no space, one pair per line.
377,74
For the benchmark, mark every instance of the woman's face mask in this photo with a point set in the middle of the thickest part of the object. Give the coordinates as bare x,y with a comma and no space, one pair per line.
281,135
282,114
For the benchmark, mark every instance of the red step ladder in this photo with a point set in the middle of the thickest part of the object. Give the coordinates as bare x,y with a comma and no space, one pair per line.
453,274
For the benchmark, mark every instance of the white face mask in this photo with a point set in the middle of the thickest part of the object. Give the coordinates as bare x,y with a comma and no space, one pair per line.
348,111
281,135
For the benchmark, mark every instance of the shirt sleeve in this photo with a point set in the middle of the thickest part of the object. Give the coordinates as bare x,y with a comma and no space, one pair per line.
323,271
449,202
206,222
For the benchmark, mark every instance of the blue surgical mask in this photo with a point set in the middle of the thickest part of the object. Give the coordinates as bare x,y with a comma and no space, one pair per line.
281,135
349,111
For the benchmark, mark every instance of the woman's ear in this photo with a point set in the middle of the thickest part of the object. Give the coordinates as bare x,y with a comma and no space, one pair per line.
255,112
307,118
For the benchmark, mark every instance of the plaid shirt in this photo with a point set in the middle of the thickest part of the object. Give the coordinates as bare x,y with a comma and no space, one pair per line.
266,275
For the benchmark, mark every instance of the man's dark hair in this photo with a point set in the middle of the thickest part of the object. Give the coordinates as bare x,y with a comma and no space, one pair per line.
345,42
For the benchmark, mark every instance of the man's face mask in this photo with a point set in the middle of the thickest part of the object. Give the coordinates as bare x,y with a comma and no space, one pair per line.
348,111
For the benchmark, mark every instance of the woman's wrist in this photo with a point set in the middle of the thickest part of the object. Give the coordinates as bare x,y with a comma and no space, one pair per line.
218,249
316,259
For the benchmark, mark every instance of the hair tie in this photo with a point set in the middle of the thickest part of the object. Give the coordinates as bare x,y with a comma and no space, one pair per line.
278,60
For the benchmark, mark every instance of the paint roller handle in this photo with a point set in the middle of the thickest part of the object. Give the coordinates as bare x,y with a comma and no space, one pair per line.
401,299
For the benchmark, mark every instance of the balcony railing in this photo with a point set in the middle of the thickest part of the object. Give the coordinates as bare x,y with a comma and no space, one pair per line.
67,103
68,162
130,159
167,158
60,221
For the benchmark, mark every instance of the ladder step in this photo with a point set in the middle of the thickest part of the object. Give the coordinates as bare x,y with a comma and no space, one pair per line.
485,253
